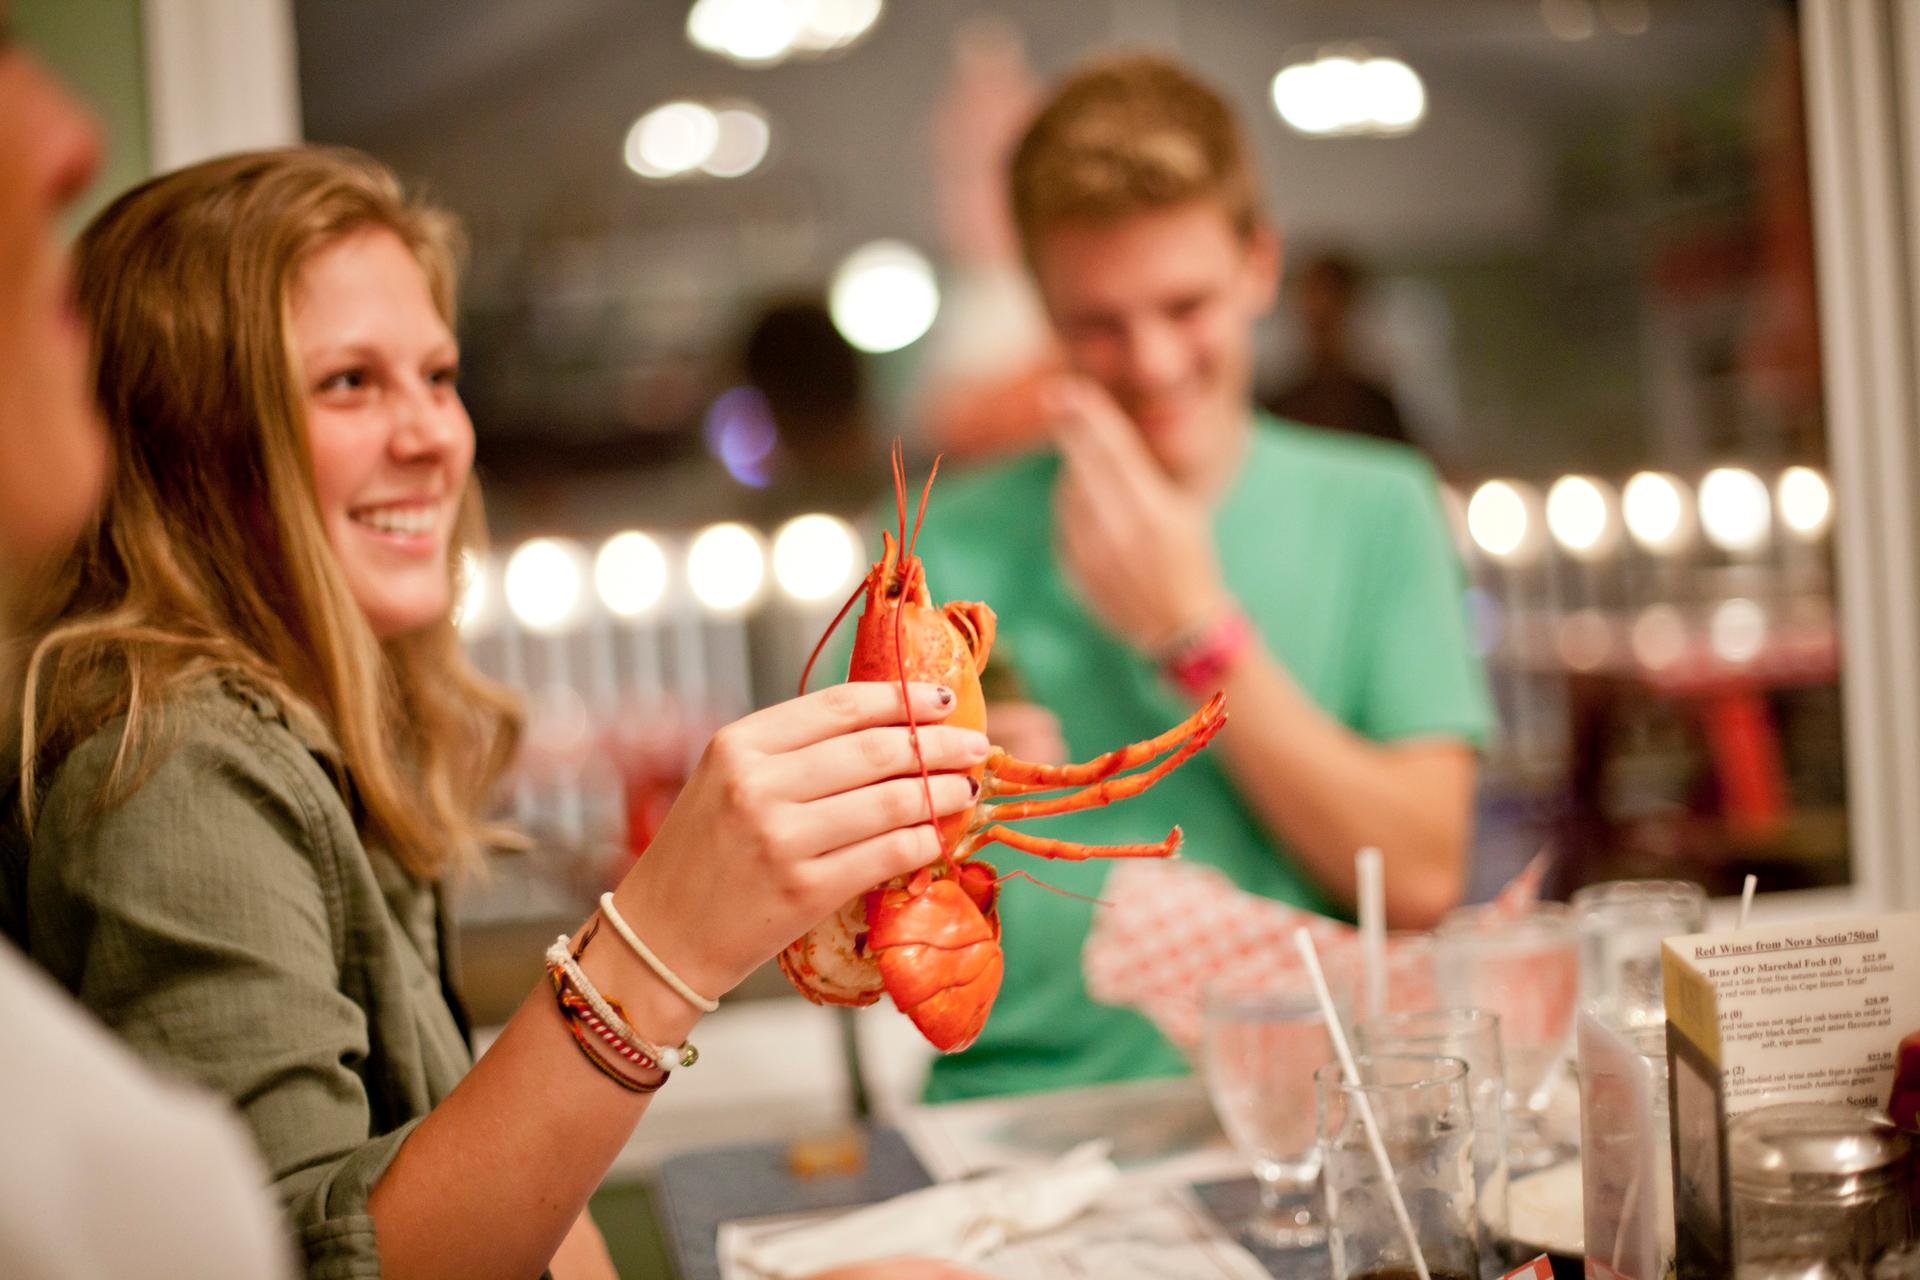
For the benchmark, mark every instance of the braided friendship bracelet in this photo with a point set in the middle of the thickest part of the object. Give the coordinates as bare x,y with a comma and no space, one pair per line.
653,961
564,963
574,1012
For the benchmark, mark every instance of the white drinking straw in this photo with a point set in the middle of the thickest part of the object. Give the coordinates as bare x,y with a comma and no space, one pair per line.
1746,900
1373,929
1303,942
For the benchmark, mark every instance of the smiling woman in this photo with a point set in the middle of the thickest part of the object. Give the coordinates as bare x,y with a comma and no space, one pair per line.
390,439
254,751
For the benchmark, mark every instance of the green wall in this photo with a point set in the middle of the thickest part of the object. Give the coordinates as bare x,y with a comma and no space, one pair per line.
96,48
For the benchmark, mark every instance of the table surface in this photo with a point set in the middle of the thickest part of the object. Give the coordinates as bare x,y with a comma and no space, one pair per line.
696,1192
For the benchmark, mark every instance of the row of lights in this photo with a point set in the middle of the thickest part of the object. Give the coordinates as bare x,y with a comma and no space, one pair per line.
683,138
764,33
545,581
1347,93
1587,518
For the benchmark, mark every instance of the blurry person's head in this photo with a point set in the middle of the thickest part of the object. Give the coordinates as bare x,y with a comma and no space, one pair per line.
291,496
51,448
1138,212
1328,288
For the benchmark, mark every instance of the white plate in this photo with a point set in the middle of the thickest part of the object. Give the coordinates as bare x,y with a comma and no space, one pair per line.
1545,1212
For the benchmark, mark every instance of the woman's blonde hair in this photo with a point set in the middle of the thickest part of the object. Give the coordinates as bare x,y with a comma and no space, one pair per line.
209,557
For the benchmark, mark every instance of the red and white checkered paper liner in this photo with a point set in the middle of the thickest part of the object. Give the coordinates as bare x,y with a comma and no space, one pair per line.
1164,929
1538,1269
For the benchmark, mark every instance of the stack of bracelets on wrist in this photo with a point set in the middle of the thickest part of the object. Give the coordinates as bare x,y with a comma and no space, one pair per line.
1197,661
599,1025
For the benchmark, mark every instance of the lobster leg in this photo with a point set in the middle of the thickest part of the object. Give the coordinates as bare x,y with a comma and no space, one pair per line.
1070,851
1108,790
1008,775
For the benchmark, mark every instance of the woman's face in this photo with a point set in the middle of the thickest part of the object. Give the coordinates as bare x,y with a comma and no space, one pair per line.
52,446
391,441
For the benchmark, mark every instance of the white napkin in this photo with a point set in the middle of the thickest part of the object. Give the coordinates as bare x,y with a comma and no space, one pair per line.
955,1221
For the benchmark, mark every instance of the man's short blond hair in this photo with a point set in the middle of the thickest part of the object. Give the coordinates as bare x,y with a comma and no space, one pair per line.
1128,135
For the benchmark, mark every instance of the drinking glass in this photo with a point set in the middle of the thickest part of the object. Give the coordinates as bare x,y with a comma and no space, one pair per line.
1425,1118
1262,1041
1473,1036
1621,924
1526,969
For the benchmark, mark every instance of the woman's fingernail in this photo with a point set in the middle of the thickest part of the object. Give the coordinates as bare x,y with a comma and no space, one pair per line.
973,785
946,696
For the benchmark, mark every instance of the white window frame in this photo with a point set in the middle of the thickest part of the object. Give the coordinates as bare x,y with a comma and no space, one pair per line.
221,77
1864,156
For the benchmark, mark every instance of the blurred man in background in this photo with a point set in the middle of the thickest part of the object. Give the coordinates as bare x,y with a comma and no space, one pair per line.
1177,540
1332,390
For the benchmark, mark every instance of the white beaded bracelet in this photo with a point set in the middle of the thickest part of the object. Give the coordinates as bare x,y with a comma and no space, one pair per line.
653,961
666,1055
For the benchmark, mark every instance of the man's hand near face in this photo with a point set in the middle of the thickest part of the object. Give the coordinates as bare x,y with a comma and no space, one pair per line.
1138,550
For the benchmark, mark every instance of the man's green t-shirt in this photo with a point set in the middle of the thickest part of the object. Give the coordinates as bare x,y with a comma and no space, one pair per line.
1337,549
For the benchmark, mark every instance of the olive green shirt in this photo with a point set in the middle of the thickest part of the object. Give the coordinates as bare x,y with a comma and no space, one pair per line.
228,922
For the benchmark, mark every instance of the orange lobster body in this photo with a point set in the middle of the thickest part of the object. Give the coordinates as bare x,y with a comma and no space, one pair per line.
931,940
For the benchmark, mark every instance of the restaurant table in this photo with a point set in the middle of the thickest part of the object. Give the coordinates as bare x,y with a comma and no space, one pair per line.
696,1192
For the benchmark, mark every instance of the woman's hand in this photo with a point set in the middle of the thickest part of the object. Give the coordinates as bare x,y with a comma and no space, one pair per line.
900,1269
790,812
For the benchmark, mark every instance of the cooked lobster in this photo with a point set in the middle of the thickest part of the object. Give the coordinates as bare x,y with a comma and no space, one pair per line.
931,940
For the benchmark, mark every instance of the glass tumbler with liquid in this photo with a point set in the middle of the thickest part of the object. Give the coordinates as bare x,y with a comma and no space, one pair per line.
1425,1114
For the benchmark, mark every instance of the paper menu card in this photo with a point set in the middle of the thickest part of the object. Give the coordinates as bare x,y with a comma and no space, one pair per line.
1798,1012
1787,1013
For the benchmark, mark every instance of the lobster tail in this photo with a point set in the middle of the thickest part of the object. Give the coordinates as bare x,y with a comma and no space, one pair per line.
940,957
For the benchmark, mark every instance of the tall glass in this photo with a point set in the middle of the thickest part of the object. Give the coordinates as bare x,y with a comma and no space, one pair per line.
1621,924
1525,969
1421,1105
1262,1041
1473,1036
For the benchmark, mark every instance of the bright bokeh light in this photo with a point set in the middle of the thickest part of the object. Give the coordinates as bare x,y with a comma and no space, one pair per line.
1342,96
1659,637
1580,515
726,567
1735,509
761,33
1806,503
674,138
1498,519
833,24
1657,511
1738,631
740,143
754,32
473,612
630,573
544,584
883,296
814,557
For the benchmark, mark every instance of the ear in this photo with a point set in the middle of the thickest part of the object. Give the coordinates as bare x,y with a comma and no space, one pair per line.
1262,269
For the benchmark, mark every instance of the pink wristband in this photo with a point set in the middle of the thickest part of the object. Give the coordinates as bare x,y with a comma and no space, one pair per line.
1199,662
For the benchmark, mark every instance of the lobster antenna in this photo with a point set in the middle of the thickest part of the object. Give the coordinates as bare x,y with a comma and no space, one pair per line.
827,635
925,492
1030,878
900,488
900,668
